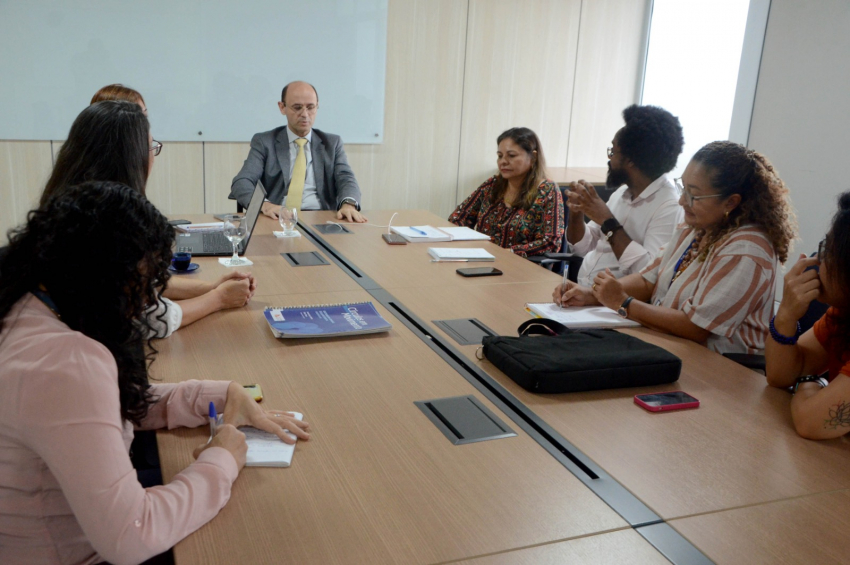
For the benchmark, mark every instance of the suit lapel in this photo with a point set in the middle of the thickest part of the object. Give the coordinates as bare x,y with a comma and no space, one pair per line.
281,149
318,150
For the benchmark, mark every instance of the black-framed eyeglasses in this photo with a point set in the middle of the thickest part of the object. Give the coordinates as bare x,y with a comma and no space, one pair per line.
821,250
156,147
690,198
610,152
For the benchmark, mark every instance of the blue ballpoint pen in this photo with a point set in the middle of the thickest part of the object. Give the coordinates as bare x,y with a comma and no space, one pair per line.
417,230
213,420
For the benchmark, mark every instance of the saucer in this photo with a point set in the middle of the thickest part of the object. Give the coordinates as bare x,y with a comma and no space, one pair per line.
192,268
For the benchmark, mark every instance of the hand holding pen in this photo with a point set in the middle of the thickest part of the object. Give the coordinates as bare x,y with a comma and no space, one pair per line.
226,436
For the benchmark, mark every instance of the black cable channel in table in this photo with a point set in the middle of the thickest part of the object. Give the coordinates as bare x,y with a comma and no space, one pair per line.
640,517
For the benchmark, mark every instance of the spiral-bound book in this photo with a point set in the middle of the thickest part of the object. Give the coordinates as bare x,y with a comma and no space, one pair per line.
326,320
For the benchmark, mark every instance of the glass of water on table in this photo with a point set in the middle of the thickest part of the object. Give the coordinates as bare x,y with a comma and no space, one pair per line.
288,218
235,229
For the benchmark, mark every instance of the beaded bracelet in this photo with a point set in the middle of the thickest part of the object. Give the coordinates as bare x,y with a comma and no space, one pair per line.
784,339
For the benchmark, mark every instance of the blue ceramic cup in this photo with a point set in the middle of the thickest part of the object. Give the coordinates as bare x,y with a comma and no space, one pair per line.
181,260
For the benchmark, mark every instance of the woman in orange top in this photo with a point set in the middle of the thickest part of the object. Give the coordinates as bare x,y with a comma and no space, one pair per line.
820,407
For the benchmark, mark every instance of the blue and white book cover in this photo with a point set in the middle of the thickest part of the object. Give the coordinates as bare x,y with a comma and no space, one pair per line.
326,320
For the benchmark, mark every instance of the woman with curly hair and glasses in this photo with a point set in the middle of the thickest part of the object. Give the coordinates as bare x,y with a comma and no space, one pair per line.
73,386
518,208
716,279
820,408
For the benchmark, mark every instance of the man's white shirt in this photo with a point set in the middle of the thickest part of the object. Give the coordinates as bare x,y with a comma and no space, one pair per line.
649,220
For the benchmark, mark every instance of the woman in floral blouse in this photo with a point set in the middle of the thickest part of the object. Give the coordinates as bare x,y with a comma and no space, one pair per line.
518,208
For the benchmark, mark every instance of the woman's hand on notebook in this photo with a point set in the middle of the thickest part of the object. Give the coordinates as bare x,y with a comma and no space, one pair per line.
573,294
240,409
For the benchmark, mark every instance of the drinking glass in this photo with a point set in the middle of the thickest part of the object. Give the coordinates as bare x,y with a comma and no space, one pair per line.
288,220
235,230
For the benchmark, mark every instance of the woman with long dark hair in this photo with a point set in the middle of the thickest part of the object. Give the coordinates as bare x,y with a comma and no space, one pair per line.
73,386
518,208
820,408
715,282
111,141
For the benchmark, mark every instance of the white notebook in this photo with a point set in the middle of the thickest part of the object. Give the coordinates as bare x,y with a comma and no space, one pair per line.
460,254
421,234
581,316
266,449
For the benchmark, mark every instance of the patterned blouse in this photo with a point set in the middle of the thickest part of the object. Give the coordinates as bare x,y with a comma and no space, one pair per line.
535,231
730,294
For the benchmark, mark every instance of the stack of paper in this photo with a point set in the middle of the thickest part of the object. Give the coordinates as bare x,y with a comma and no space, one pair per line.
581,316
199,228
462,233
469,254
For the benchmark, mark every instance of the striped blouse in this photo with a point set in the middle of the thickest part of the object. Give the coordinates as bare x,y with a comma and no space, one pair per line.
730,294
535,231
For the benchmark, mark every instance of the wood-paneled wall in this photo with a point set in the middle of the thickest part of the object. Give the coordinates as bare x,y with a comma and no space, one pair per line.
459,72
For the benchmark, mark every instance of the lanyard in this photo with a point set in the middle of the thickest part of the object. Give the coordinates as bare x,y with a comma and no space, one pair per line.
41,294
679,262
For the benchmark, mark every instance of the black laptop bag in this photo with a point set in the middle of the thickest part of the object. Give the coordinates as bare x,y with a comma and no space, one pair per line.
549,358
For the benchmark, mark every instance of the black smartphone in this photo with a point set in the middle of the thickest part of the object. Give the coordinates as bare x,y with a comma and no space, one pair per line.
479,272
394,239
178,222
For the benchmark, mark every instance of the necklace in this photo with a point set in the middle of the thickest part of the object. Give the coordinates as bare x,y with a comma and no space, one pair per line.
687,258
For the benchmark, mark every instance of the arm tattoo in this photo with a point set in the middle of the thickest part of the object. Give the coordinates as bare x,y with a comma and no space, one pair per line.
839,415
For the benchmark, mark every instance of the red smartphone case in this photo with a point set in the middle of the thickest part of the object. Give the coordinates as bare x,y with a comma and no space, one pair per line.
668,407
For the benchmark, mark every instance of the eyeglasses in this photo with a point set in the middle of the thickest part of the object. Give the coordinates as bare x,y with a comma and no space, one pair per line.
821,250
610,152
156,147
690,198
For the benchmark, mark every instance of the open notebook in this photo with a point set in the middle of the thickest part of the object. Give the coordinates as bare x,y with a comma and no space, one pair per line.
266,449
581,316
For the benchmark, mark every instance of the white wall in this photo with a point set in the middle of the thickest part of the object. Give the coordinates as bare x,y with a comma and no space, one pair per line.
801,119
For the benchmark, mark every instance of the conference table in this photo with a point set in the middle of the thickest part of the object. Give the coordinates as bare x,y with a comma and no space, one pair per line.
588,477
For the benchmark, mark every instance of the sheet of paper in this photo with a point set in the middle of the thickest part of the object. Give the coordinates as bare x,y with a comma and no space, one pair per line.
471,253
266,449
463,233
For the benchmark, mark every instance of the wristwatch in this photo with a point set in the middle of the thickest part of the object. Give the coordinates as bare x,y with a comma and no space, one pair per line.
609,226
349,200
623,310
810,379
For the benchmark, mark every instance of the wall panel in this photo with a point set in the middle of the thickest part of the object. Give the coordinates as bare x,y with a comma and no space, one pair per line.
416,166
611,53
520,68
24,168
221,163
176,183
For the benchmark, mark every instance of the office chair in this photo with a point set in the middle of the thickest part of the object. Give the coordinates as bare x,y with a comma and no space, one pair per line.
756,362
564,258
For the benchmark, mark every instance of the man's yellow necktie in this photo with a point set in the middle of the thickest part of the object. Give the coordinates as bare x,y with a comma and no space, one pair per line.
299,175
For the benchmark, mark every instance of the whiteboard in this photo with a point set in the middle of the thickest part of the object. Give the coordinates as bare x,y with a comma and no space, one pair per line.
209,70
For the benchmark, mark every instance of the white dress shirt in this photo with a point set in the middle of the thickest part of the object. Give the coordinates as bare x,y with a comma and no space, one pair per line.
649,220
310,198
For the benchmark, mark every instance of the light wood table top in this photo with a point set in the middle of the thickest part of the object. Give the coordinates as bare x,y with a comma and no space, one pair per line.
377,483
809,529
739,448
410,265
622,547
566,175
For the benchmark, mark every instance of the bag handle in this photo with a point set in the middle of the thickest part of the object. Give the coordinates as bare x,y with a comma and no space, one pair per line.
543,326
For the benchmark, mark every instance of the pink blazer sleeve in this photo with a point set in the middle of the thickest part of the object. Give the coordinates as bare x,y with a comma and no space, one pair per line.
70,415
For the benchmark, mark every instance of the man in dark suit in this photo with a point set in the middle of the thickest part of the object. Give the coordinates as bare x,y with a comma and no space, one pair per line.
299,166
